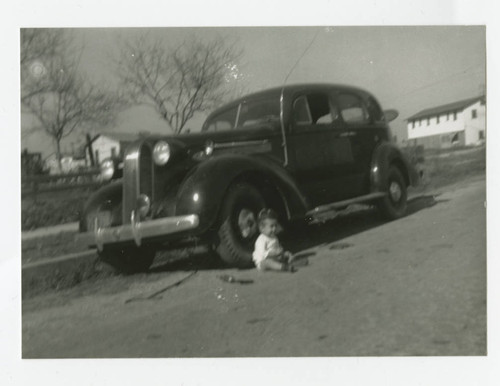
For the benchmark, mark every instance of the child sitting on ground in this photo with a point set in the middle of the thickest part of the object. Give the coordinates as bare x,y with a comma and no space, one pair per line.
268,253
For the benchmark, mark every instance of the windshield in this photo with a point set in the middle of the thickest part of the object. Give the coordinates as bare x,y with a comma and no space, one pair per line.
245,115
260,111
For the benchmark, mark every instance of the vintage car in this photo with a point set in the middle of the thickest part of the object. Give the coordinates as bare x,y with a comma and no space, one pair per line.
303,150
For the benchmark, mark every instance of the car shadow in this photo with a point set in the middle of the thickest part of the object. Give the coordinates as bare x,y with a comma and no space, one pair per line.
331,232
188,260
416,204
298,240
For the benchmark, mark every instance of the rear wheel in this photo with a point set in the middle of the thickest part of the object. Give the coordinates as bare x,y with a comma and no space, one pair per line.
394,204
238,227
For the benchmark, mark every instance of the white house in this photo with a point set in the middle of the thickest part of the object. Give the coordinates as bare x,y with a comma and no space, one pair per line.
110,145
69,164
458,123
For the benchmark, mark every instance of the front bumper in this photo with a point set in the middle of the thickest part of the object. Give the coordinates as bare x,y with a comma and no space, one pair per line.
138,231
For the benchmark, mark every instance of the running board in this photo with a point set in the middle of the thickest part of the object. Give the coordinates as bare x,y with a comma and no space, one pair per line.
341,204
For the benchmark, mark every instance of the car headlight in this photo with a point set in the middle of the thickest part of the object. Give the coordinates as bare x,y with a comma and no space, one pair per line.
107,169
161,153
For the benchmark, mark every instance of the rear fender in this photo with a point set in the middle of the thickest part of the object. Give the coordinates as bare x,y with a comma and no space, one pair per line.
385,155
202,191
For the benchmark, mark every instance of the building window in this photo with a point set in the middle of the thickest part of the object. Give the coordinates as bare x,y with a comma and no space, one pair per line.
413,124
454,115
428,121
481,134
474,114
454,139
419,122
437,118
447,116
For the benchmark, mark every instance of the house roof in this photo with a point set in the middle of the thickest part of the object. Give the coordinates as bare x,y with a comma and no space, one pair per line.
450,107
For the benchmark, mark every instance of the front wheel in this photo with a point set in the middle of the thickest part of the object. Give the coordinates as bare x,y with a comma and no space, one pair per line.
238,227
128,260
394,204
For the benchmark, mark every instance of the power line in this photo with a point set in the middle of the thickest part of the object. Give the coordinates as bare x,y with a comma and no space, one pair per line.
444,80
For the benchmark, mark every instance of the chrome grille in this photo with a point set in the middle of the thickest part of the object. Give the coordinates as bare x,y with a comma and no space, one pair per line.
138,174
146,171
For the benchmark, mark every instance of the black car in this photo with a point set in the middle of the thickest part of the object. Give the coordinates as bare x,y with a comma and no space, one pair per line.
302,150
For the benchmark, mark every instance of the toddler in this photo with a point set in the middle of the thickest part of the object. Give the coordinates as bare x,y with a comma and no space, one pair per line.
268,253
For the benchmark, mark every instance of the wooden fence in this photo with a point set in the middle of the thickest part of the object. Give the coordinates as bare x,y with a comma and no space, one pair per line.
33,185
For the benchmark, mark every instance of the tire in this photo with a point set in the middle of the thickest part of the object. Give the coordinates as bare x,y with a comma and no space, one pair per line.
238,228
394,204
128,260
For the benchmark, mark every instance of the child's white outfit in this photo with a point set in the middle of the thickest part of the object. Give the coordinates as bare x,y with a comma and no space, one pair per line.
263,245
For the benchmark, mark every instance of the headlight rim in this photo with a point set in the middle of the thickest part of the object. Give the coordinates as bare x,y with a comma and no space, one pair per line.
166,153
107,169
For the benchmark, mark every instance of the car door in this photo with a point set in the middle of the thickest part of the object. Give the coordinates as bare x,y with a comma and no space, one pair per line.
360,119
320,150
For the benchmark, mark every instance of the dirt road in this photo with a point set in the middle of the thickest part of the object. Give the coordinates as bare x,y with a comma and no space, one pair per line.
416,286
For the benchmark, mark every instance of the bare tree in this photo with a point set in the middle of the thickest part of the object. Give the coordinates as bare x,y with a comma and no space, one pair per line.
55,93
178,82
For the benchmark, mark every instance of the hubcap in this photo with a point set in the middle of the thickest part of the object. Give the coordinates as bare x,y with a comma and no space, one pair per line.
395,191
247,223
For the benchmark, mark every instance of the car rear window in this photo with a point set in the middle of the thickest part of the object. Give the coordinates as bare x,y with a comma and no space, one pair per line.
374,109
352,108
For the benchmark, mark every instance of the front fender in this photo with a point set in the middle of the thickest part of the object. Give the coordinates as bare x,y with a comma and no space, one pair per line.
203,190
109,196
385,155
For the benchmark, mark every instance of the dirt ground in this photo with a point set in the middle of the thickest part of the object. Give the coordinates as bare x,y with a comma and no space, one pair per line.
412,287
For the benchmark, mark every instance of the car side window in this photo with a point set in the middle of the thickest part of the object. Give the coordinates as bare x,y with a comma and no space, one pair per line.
352,108
313,109
224,121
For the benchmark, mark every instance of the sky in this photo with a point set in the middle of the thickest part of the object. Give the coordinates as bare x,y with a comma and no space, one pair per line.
408,68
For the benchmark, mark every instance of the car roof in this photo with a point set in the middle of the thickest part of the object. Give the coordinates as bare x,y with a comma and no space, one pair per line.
288,89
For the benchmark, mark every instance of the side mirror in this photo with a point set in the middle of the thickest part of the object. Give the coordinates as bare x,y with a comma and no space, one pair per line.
391,115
